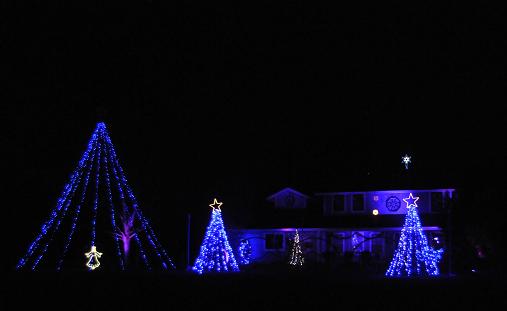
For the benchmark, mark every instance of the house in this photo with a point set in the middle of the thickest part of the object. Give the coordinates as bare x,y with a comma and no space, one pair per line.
338,226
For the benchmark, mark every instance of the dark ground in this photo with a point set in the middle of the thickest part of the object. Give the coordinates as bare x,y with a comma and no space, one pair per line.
248,291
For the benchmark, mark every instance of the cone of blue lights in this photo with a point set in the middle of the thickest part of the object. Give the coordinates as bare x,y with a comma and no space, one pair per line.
414,256
97,222
244,252
216,254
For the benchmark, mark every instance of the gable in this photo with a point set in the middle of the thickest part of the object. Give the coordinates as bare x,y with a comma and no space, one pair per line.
288,198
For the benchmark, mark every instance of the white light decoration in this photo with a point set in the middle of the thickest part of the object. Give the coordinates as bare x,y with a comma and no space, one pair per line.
93,258
411,201
297,258
406,160
375,212
216,205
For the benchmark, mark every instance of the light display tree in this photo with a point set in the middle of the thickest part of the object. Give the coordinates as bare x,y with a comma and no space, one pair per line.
296,254
216,254
244,252
414,256
86,216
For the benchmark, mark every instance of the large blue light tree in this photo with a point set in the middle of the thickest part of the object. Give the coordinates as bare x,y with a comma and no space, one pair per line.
216,253
97,209
414,256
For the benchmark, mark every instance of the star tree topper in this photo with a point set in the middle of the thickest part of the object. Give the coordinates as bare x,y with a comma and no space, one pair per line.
406,160
411,201
216,205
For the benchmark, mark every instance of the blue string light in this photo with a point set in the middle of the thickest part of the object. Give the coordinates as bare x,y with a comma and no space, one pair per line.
57,224
150,235
244,252
414,256
113,160
78,207
100,155
110,199
61,200
216,254
97,180
64,212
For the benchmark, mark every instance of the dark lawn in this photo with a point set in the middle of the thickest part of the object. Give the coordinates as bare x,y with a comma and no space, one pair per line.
303,290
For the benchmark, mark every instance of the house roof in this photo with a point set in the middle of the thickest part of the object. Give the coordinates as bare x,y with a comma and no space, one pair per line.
384,191
287,189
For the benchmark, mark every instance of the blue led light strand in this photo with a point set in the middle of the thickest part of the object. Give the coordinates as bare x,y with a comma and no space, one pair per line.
244,252
97,181
414,256
122,194
216,253
78,208
144,223
98,162
63,196
59,219
110,199
160,250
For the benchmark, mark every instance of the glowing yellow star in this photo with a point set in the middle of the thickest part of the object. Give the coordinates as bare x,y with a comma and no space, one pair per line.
214,205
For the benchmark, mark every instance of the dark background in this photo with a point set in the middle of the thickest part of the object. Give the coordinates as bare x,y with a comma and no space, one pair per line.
240,100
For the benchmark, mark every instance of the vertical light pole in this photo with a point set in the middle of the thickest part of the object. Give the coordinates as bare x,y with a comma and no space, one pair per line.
188,240
449,232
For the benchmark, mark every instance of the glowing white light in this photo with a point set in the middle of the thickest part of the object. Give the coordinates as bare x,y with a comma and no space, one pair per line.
216,205
93,261
375,212
297,258
413,200
406,160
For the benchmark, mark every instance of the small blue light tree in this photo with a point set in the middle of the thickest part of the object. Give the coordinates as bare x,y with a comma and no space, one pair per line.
244,252
216,253
414,256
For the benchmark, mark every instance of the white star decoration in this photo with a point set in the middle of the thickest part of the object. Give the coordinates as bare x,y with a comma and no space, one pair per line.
406,160
216,205
412,199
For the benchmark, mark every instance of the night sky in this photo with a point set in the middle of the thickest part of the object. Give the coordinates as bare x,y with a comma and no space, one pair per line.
239,101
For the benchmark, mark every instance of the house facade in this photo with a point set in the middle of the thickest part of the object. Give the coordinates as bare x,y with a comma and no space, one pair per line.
344,225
